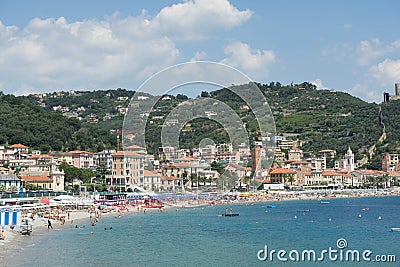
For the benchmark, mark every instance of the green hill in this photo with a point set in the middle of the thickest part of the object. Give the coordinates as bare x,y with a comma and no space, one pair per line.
321,119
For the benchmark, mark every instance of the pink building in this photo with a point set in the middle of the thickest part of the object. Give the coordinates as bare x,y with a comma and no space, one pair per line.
82,159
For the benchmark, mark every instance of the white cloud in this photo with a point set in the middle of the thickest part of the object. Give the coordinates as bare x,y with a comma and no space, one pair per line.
318,83
366,93
371,50
52,54
199,56
196,19
387,72
254,62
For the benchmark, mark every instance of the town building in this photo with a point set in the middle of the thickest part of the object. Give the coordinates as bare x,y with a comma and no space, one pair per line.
82,159
295,154
127,170
387,97
10,182
152,180
104,158
283,176
346,163
390,162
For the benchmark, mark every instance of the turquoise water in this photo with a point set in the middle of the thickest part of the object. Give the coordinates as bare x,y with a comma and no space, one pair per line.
198,237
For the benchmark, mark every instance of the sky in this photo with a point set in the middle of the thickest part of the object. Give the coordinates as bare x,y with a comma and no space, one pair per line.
351,46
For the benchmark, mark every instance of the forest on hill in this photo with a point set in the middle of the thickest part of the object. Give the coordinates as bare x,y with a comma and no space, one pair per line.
90,120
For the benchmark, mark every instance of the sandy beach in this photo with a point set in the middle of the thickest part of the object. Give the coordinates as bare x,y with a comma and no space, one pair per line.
40,225
74,218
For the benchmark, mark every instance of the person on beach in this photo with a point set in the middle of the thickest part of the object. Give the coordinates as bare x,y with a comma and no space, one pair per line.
49,224
2,235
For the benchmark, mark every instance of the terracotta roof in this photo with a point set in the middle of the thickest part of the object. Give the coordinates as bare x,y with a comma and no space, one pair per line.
368,172
171,178
282,171
183,164
45,156
36,179
394,174
330,173
190,158
150,173
169,166
79,152
18,146
126,153
134,147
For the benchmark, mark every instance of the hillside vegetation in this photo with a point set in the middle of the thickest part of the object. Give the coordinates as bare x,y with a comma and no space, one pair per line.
322,119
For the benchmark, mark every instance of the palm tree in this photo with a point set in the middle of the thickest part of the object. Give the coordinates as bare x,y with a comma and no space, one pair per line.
373,180
193,178
384,179
290,179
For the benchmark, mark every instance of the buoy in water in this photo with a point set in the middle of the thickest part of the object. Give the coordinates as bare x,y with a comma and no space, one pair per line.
379,218
295,216
359,215
330,219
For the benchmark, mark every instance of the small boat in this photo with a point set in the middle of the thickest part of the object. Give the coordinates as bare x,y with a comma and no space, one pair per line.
324,202
396,229
271,207
229,214
307,210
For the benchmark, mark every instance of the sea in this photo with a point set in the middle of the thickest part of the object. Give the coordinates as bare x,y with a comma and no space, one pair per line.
339,232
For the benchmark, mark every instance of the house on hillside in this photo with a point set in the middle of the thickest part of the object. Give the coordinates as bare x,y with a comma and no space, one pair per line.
19,151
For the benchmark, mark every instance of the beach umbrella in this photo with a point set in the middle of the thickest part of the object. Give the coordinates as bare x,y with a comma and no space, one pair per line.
45,200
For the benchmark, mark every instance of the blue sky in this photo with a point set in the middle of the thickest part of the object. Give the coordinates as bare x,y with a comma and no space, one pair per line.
351,46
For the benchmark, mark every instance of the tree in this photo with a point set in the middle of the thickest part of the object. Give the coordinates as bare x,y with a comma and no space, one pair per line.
12,188
290,179
193,178
101,172
204,94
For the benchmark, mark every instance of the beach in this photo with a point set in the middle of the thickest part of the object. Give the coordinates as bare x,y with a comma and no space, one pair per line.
61,219
86,217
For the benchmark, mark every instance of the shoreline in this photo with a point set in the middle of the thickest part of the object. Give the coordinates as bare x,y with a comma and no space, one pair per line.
14,241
